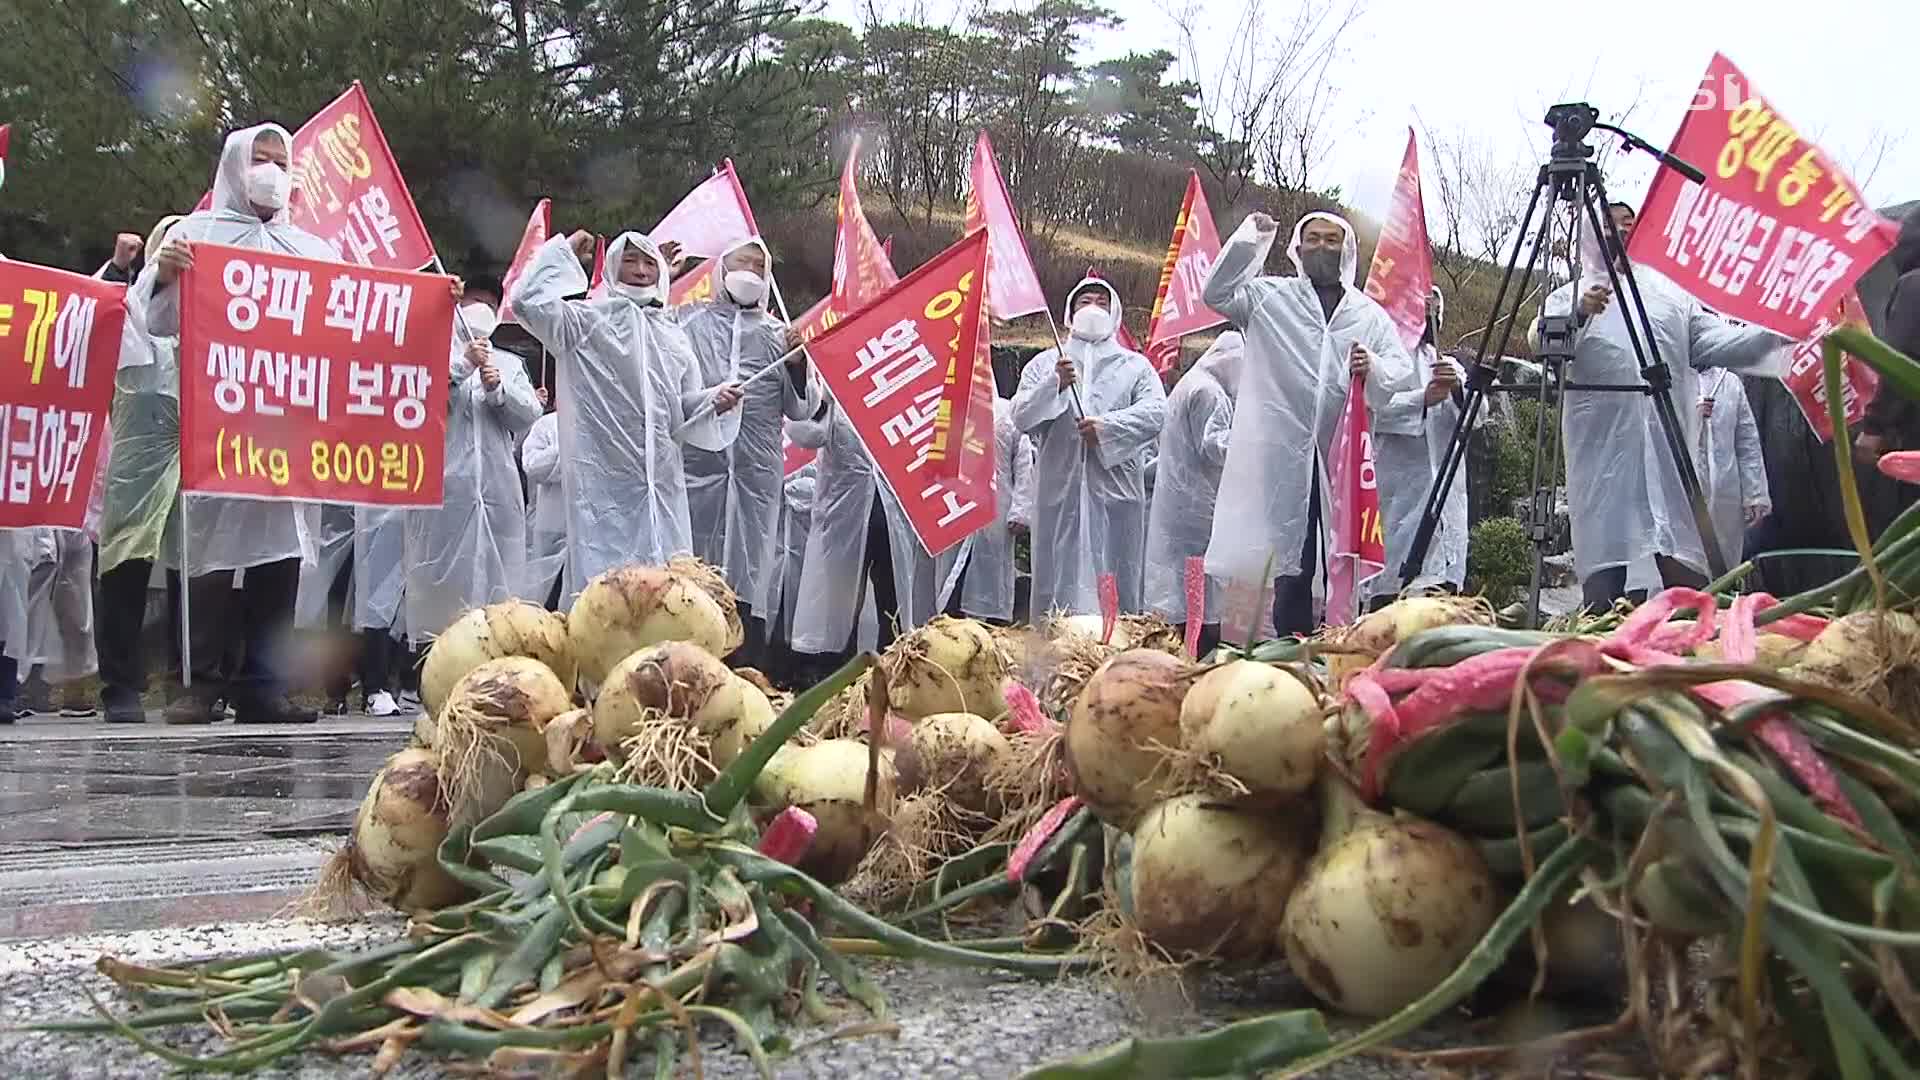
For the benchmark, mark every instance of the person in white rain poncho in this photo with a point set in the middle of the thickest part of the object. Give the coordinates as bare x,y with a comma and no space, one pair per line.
1193,448
1410,438
733,491
139,525
1623,487
1307,336
976,574
546,512
1089,515
627,378
473,549
860,538
796,522
1732,468
266,539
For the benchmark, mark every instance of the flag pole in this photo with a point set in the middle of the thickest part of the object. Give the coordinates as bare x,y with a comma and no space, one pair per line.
1079,408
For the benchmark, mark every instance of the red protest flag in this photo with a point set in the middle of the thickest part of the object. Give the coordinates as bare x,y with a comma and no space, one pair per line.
1806,372
6,137
59,348
597,281
887,366
302,379
711,218
1177,308
1013,287
1777,234
861,268
1358,546
1401,274
348,190
539,227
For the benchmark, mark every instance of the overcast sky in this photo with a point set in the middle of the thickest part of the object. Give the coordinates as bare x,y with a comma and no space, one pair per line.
1841,70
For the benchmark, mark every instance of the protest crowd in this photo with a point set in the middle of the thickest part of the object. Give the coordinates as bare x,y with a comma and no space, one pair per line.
629,399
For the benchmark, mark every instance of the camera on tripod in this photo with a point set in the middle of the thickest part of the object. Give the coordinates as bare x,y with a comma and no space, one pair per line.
1571,122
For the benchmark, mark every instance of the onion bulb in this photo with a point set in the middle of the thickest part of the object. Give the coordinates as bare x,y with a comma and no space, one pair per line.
393,851
1257,725
1123,723
1378,632
630,608
514,628
570,742
1090,627
948,665
954,753
1213,881
676,714
493,733
1386,912
829,781
1875,654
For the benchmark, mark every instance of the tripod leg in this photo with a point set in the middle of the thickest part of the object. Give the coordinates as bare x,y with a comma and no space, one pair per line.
1544,494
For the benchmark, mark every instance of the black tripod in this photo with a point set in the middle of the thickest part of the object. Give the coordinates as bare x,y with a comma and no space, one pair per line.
1569,176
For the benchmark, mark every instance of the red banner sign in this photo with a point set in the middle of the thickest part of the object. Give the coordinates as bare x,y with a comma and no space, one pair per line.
1013,288
348,191
1358,542
1177,309
311,380
539,227
59,348
1806,374
1401,274
1777,234
887,369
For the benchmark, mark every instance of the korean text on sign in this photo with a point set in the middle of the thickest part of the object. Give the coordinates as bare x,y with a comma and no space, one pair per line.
349,192
1777,234
60,338
302,379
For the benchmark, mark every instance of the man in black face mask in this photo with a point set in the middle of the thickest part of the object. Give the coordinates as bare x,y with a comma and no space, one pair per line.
1307,338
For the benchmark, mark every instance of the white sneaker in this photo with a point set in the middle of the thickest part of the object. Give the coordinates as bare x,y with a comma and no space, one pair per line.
382,704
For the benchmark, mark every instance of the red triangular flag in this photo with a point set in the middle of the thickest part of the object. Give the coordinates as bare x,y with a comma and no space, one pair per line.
539,227
1177,308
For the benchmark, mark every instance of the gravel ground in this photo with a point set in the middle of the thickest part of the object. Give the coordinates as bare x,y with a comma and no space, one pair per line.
953,1024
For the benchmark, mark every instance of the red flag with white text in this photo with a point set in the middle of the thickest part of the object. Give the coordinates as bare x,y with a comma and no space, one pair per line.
887,366
539,227
1806,373
861,269
1013,287
1401,274
1177,308
1777,234
348,190
1357,548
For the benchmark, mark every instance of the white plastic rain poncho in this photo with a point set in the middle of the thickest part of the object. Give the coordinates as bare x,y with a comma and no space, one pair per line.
473,549
796,522
333,547
379,568
625,378
831,584
1410,441
1729,459
1623,488
143,474
1293,387
224,533
1193,447
16,569
1089,515
546,509
986,556
59,601
733,493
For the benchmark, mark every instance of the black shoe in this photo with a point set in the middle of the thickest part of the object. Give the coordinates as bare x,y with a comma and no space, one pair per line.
6,715
126,713
274,712
188,708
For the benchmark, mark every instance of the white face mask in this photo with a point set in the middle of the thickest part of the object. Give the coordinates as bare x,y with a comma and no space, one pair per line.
269,185
746,287
480,319
639,294
1092,323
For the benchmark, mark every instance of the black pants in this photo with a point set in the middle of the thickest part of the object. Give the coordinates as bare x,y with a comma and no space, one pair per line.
254,617
1293,593
120,613
1603,587
377,654
877,568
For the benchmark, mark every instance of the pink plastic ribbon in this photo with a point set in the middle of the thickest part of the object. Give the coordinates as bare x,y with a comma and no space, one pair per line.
1109,607
1196,602
1037,837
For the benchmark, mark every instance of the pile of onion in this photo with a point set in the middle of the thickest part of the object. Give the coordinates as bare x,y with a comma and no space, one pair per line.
492,733
1387,909
829,781
392,852
513,628
1249,729
1875,654
1378,632
676,714
947,666
1124,722
1213,881
630,608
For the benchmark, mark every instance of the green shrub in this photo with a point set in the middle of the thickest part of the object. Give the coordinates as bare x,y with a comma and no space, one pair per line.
1499,560
1513,454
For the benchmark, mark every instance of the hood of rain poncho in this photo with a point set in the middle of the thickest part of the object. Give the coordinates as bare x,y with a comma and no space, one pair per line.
717,274
718,432
620,294
1082,351
1223,360
230,200
1349,247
